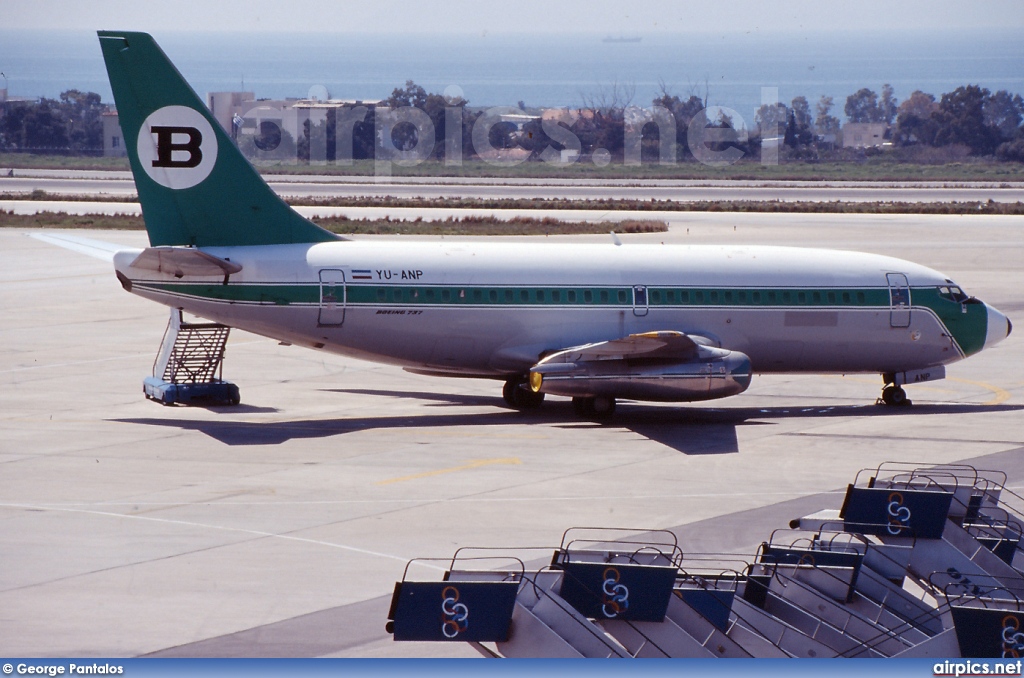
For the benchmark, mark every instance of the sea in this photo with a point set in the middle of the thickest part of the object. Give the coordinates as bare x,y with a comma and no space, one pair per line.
728,69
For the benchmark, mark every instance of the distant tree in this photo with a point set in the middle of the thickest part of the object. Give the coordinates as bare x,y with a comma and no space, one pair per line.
12,126
824,123
82,113
411,95
683,110
802,112
961,120
919,103
1003,112
44,129
70,124
771,120
800,115
434,106
863,106
1011,150
790,138
887,104
914,120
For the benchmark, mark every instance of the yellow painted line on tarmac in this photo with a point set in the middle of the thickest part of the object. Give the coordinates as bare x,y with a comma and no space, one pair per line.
476,463
1002,395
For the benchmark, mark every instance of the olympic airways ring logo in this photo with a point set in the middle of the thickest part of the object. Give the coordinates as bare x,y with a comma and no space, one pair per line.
615,598
899,515
456,614
1013,639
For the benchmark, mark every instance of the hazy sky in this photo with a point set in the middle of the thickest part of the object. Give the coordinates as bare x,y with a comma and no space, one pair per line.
508,16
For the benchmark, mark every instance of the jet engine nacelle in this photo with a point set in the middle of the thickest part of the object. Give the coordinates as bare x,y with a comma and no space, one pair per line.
712,373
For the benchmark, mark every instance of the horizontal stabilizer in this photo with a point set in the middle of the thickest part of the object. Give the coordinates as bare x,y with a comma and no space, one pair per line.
97,249
182,261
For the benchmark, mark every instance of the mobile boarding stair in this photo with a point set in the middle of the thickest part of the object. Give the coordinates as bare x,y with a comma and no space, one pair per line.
960,532
919,562
189,368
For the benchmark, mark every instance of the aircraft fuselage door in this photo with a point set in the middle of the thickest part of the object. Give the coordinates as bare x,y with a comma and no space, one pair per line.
332,297
899,300
639,300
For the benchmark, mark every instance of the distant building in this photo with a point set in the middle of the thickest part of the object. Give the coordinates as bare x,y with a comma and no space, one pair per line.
113,139
864,134
226,105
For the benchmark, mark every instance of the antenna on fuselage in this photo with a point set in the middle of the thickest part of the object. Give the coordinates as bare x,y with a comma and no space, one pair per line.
615,239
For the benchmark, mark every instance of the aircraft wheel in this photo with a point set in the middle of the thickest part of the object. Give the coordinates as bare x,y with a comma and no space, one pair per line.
894,396
584,407
508,392
519,396
604,407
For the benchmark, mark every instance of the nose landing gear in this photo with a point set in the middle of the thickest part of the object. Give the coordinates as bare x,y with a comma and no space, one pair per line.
895,396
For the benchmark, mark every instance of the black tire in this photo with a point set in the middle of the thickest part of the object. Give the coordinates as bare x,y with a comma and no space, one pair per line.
894,396
508,392
584,407
518,395
604,407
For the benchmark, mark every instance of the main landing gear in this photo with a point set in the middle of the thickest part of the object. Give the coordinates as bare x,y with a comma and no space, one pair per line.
519,396
600,407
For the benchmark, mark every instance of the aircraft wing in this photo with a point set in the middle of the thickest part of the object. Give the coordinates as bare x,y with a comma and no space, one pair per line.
97,249
662,344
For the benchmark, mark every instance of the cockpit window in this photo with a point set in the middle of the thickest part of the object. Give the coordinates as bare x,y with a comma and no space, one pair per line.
953,293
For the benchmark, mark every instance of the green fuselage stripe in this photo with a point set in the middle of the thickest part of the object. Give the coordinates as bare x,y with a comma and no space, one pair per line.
460,295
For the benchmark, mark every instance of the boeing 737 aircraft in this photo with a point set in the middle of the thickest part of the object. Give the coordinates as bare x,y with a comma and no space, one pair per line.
593,322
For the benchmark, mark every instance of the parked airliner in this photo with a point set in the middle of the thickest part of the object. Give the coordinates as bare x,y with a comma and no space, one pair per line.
594,322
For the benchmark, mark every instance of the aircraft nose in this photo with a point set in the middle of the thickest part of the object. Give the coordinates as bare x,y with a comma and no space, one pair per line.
999,327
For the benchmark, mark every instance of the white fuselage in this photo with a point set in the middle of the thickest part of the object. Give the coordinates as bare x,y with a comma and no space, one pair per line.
493,309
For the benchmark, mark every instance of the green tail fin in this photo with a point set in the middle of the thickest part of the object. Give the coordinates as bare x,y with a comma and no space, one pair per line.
195,186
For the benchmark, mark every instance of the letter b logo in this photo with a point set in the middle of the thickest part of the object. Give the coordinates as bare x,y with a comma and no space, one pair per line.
177,147
165,146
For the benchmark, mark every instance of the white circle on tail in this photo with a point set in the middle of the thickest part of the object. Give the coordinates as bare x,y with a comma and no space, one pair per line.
177,147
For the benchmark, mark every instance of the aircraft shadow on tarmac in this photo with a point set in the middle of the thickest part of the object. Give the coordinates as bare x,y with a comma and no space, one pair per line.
691,430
